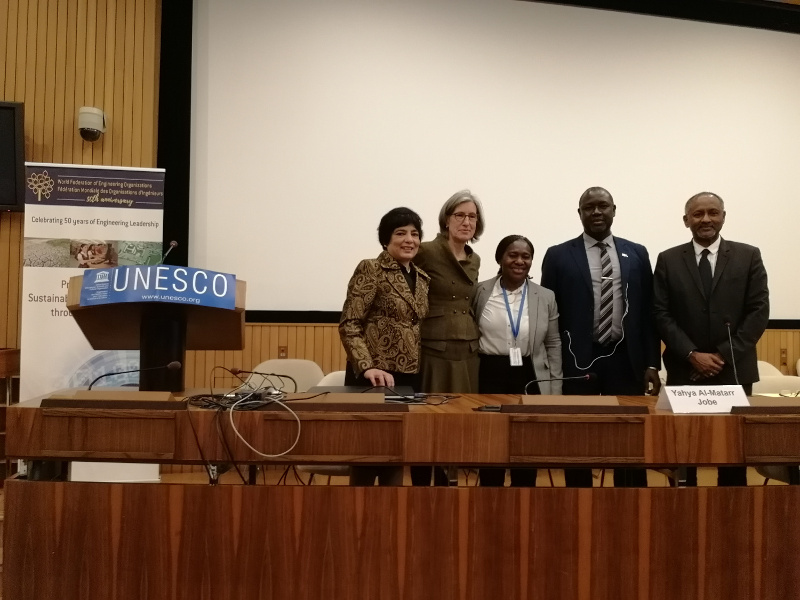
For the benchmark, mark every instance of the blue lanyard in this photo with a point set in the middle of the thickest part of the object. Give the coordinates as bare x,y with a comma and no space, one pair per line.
515,327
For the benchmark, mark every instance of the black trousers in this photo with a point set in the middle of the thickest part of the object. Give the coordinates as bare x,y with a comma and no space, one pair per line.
497,376
614,377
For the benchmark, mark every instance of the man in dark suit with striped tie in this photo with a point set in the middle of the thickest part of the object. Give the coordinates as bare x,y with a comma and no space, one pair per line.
711,306
604,288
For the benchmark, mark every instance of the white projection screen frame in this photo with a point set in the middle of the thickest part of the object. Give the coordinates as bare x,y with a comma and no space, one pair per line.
312,118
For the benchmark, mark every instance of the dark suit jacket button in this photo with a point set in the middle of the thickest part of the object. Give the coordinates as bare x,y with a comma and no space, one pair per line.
454,297
470,283
455,312
463,312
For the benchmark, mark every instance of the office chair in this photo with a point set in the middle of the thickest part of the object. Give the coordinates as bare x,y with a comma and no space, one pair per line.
305,373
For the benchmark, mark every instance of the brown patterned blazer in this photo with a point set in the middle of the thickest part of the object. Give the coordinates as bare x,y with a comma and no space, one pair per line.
380,323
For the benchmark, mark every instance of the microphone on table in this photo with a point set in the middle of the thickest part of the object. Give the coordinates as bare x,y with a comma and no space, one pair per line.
587,377
172,244
733,357
173,366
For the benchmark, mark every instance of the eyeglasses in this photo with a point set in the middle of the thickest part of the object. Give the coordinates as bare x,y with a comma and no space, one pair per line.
459,217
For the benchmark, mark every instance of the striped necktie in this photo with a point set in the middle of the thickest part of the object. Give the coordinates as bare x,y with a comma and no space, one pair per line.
606,295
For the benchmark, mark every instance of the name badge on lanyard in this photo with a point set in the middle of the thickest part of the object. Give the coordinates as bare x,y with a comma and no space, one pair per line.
515,353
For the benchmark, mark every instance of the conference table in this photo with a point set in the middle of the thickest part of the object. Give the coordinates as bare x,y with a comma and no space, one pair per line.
73,540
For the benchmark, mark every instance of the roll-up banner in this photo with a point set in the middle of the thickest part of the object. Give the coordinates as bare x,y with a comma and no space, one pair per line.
77,218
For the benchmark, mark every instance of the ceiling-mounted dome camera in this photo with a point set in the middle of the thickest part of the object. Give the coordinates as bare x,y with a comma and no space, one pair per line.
91,123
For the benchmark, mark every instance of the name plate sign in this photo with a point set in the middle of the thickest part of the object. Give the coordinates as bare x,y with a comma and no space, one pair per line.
699,399
159,283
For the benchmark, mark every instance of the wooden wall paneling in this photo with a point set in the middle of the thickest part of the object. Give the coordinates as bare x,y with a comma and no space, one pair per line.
264,334
193,375
90,82
26,69
189,369
274,342
5,259
59,56
283,339
10,246
295,333
78,155
10,46
14,280
200,375
59,82
764,348
126,113
327,354
5,236
773,341
48,80
150,66
37,54
5,17
16,89
319,341
252,347
136,84
116,105
68,117
309,350
108,78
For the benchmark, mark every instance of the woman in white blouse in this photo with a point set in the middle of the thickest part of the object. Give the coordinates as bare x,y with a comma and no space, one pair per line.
519,339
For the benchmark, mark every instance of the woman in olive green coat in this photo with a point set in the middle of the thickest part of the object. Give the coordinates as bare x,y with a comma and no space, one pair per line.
449,333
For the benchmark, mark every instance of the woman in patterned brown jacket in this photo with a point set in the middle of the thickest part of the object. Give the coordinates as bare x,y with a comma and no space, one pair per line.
387,298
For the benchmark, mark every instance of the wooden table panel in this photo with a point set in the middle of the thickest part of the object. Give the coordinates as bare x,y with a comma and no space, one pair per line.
615,574
449,434
771,439
86,433
672,567
780,546
581,438
693,439
456,438
85,540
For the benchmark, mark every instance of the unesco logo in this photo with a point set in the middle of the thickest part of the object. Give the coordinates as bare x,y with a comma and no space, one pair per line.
102,277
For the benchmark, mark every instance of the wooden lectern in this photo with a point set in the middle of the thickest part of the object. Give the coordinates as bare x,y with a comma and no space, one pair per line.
161,331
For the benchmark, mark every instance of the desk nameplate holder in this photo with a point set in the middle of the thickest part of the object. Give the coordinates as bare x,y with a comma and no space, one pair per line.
701,399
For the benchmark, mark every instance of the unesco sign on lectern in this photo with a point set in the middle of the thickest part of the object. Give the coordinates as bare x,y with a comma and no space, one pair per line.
162,311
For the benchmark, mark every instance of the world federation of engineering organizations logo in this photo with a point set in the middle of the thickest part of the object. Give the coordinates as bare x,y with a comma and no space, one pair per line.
41,184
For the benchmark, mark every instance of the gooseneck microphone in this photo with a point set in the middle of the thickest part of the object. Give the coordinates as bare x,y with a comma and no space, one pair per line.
733,356
587,377
173,366
172,244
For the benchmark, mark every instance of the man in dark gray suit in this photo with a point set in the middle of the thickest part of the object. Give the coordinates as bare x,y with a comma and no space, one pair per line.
711,306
